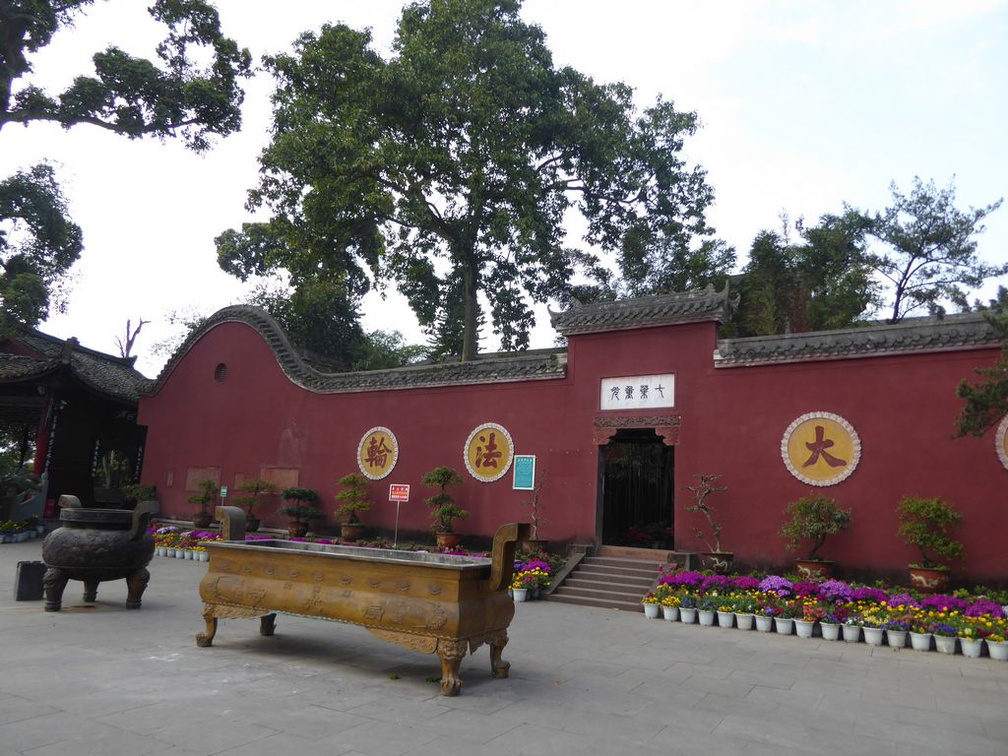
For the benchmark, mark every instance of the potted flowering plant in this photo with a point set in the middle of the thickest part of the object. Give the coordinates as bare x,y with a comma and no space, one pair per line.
813,518
928,525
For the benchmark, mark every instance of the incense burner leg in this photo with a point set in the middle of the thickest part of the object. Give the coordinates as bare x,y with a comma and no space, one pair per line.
204,639
54,581
498,667
136,584
267,624
451,653
90,590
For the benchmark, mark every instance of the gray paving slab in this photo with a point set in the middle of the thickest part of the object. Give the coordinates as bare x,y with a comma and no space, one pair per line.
98,679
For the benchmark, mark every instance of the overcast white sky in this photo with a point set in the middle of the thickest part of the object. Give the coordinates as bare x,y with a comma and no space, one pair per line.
805,105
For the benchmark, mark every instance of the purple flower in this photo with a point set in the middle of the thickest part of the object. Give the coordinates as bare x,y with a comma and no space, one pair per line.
806,589
686,578
713,583
985,606
834,590
536,564
777,584
902,599
745,583
864,593
944,603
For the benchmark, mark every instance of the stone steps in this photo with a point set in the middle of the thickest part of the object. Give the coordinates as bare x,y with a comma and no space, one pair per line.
614,582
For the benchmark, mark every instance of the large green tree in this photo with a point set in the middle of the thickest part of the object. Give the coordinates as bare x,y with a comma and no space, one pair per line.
191,90
986,400
657,263
932,257
449,168
821,281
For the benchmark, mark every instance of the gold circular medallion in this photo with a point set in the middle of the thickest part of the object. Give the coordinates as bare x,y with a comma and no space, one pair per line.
821,449
488,452
377,453
1001,439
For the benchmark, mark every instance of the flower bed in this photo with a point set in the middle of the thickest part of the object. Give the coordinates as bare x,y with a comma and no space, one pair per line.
967,621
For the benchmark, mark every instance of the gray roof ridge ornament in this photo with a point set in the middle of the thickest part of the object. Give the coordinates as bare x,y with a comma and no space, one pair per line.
487,368
701,305
955,332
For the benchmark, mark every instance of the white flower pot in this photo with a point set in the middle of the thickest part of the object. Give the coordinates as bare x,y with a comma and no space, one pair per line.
896,638
687,615
971,647
743,621
725,619
204,556
873,635
945,644
180,553
830,630
785,625
764,623
851,633
998,650
920,641
520,594
170,553
670,613
804,628
706,617
650,610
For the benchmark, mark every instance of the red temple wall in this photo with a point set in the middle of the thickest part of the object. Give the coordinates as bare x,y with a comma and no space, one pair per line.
732,421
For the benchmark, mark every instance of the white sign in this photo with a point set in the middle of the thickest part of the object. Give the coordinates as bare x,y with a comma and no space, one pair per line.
638,392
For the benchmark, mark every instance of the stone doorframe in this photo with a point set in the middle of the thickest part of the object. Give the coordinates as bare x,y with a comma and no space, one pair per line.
665,426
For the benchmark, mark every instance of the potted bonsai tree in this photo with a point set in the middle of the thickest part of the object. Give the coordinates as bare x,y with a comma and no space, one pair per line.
302,510
443,508
813,518
714,558
928,525
136,493
354,498
253,490
206,496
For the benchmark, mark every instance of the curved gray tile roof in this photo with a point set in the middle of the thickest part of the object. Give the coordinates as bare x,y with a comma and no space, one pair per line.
953,332
533,365
645,312
106,374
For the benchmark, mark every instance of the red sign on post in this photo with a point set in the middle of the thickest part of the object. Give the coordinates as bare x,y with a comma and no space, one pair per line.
398,492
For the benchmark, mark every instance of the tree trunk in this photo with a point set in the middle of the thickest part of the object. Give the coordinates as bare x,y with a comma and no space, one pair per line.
470,324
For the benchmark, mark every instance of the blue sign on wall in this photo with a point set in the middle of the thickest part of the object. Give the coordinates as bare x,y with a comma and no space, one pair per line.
524,472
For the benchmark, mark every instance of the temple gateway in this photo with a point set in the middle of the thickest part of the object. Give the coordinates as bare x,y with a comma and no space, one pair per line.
643,398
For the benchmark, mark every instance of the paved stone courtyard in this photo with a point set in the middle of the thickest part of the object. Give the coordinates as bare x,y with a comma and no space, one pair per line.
103,680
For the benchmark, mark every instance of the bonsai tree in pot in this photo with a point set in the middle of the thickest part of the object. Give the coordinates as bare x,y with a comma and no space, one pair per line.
354,498
142,492
253,490
928,524
443,508
714,558
302,510
207,495
813,518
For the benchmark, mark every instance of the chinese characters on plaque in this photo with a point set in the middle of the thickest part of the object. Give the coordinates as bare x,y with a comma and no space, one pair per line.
377,453
821,449
638,392
488,452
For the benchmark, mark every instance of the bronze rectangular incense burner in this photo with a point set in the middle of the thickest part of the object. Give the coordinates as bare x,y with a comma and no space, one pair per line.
429,602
